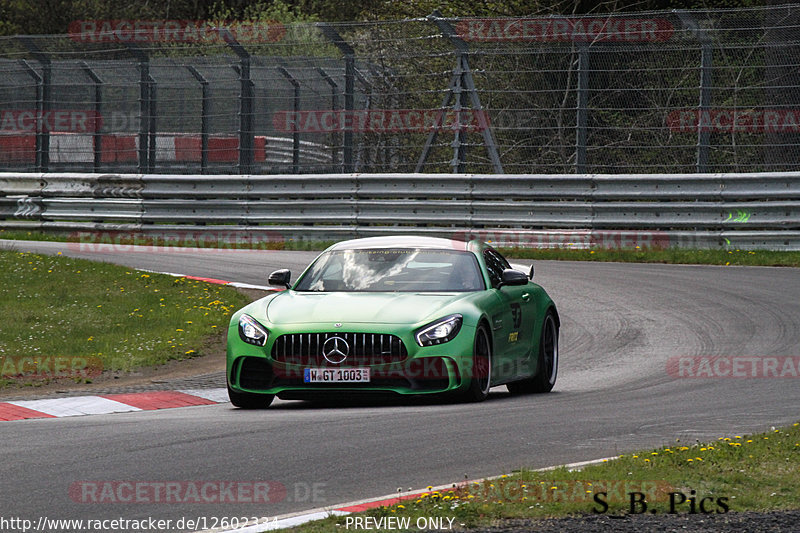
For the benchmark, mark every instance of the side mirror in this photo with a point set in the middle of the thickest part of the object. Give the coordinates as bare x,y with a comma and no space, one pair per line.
530,274
514,277
281,278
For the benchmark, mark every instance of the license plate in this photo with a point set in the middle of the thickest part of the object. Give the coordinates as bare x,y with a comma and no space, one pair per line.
336,375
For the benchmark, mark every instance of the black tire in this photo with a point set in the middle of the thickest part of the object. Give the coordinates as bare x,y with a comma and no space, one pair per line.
547,366
480,378
246,400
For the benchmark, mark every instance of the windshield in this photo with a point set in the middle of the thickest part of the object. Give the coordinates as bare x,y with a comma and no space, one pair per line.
393,270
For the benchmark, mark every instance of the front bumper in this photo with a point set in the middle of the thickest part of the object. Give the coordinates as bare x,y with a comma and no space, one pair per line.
419,375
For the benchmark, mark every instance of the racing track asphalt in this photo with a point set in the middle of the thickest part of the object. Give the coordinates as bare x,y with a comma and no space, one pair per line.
620,325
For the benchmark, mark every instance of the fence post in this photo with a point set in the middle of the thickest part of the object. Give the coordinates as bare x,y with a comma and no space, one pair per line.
334,106
349,88
706,68
581,118
43,104
38,153
246,97
296,110
204,113
98,108
151,123
145,98
461,81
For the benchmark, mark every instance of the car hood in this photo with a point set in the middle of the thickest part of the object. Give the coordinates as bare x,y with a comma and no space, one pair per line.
292,307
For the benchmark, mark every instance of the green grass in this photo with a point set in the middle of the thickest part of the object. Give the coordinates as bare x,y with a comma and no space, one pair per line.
743,473
684,256
53,306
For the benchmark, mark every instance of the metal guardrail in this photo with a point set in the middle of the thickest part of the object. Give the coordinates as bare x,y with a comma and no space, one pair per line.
750,211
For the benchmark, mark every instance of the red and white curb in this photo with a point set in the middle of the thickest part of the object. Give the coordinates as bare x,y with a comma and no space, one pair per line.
296,519
125,402
216,281
110,403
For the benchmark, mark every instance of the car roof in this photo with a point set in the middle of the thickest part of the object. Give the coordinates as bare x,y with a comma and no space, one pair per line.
402,241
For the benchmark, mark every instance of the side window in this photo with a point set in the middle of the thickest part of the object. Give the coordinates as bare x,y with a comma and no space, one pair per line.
495,264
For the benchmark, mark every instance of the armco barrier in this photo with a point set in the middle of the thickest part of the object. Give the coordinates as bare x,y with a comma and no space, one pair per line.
747,211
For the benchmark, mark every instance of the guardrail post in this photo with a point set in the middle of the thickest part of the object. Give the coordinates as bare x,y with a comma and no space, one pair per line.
582,116
97,149
246,96
296,110
205,109
334,106
349,89
43,105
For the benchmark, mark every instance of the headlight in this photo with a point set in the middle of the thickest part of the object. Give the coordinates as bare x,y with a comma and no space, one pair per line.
251,331
439,332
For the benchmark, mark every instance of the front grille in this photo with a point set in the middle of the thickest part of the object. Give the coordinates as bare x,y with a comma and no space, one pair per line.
363,348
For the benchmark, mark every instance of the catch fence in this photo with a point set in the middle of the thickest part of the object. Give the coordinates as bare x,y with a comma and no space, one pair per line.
699,91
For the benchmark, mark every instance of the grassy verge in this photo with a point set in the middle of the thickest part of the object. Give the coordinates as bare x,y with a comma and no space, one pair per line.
115,317
624,255
662,255
736,474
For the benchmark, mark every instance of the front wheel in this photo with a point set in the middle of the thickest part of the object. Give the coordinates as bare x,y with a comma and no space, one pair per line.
480,377
547,365
246,400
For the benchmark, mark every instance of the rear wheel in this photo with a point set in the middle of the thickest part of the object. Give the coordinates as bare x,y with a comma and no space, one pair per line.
547,367
481,375
247,400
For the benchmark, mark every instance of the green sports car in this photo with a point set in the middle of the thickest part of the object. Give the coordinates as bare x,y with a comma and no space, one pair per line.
398,315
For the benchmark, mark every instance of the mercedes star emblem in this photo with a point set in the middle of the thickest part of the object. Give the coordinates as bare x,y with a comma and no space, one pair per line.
335,350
